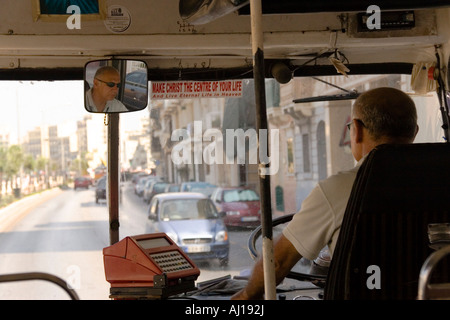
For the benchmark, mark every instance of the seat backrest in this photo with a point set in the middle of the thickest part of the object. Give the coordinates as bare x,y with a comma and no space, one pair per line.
383,240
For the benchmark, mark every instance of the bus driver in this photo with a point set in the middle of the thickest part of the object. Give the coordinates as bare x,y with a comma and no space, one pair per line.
380,116
102,96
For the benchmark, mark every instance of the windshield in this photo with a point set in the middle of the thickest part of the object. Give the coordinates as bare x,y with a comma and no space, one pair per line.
239,195
48,139
159,187
190,209
101,183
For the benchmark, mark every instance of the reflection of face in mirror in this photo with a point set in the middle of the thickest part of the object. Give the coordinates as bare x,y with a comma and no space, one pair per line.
115,85
102,96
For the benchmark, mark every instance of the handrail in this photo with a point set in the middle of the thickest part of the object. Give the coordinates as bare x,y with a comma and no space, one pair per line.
427,269
39,276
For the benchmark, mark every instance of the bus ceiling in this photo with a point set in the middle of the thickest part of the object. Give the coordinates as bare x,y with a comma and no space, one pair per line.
174,40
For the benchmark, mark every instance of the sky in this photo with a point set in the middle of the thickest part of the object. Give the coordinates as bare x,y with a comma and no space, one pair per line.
47,103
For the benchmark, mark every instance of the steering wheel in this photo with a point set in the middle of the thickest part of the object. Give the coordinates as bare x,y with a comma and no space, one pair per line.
318,273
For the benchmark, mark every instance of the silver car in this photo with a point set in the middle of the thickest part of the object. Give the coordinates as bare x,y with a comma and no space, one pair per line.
192,221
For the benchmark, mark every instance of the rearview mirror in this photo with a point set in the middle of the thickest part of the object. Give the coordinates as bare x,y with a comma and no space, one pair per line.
115,86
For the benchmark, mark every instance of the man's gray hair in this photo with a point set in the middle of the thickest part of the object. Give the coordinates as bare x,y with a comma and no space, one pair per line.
387,112
105,69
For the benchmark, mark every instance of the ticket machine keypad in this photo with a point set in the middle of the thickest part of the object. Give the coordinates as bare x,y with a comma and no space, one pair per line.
171,261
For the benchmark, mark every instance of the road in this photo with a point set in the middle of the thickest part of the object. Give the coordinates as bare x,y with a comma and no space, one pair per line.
63,232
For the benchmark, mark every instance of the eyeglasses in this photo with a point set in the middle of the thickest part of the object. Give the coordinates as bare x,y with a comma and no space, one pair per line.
110,84
350,123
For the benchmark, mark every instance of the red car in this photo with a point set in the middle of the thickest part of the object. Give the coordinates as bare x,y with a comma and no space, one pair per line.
240,205
82,182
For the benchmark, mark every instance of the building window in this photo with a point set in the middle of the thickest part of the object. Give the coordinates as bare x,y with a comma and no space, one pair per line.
306,153
279,197
322,150
290,156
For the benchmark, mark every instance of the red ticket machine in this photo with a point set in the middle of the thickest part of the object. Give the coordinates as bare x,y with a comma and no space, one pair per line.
149,266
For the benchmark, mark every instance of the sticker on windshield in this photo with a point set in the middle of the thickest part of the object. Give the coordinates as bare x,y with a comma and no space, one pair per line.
196,89
118,19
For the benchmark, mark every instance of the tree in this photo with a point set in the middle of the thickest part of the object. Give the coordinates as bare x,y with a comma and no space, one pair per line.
41,164
80,164
2,167
29,164
14,160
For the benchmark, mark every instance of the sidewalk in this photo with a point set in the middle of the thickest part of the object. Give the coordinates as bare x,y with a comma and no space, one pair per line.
14,212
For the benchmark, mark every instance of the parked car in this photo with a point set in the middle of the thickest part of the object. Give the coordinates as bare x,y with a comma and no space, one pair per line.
240,205
154,188
192,221
140,185
100,190
172,188
147,188
198,186
137,175
135,94
82,182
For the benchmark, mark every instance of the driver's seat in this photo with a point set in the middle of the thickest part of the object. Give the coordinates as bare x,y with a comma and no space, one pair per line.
383,242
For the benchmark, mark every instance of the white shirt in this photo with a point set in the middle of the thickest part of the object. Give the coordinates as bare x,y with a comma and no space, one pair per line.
111,106
319,220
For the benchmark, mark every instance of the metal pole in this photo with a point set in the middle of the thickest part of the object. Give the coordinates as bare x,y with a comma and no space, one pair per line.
113,177
261,123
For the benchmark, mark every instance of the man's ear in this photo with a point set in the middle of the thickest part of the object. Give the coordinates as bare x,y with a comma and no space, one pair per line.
359,131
